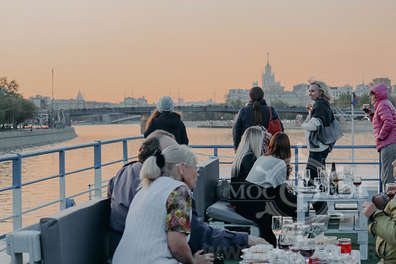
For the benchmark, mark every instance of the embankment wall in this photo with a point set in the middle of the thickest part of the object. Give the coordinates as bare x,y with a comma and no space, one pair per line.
12,140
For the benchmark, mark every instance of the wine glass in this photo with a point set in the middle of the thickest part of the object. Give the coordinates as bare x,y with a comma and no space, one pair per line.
287,220
357,181
324,180
307,177
307,249
317,183
277,226
285,241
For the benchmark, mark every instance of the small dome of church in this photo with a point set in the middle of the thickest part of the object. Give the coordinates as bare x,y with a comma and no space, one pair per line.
79,96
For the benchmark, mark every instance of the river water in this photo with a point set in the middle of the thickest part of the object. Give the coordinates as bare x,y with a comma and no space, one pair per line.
44,166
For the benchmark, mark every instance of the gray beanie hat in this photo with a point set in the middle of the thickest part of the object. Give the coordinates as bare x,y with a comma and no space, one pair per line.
165,104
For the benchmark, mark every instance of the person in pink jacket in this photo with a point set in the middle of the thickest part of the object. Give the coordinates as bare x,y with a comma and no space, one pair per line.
384,126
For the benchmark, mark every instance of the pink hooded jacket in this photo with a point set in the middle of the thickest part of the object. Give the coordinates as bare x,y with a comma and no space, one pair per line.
384,119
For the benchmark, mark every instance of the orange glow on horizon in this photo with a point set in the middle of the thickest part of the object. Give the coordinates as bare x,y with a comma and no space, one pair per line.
193,49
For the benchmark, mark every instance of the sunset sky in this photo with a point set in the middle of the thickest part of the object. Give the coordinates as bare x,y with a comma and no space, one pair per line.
197,49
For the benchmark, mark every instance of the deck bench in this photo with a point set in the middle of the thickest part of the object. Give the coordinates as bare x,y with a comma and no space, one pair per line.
78,235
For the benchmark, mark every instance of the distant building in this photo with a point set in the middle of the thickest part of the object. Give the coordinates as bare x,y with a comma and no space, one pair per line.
180,101
199,103
41,102
385,81
234,95
272,89
131,101
301,89
79,96
362,89
337,91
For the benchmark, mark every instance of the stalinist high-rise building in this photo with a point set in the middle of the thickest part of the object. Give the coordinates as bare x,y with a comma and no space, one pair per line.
270,86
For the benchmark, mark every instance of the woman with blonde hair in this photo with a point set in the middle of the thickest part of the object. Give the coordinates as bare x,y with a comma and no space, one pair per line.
266,191
319,115
253,144
160,214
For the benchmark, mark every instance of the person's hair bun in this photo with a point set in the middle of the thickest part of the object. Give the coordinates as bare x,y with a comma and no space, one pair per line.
159,159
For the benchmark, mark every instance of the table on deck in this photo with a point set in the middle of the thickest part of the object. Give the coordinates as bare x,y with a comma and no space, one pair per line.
358,225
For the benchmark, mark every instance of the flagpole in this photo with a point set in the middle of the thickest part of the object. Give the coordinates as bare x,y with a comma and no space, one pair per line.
353,126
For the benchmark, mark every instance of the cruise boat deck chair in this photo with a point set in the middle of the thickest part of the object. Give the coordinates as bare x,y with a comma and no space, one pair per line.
210,207
77,235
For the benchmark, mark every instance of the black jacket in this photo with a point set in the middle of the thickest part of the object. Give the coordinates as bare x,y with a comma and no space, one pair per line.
245,120
171,122
321,110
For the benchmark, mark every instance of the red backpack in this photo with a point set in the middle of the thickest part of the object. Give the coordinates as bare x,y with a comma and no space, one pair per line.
274,126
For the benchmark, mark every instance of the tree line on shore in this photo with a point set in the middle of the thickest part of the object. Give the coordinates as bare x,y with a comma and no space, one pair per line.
14,109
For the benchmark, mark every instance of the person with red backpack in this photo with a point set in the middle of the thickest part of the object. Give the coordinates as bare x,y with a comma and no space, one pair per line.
256,113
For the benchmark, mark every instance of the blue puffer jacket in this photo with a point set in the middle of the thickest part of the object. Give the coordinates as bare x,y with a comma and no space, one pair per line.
245,120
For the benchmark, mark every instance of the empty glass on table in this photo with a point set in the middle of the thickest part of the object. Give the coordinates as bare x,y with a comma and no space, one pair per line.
277,226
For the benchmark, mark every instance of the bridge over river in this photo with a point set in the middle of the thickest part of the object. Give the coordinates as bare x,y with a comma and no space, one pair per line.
209,112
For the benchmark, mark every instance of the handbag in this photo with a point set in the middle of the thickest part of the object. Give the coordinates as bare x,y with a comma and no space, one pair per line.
274,126
330,134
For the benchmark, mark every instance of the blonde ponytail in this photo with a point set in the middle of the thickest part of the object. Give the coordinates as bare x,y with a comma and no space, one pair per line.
149,172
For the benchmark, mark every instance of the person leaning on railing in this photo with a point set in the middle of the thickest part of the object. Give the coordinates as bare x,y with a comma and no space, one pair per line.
383,226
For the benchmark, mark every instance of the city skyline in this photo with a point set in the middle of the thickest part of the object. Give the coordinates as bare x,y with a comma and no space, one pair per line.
193,50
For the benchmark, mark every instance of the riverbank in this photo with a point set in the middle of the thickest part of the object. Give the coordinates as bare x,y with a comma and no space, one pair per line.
12,140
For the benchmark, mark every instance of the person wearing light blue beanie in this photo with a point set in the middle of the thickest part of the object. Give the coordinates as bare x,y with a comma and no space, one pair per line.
166,119
165,104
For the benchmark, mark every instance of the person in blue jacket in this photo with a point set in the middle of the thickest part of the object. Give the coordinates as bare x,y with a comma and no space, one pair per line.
255,113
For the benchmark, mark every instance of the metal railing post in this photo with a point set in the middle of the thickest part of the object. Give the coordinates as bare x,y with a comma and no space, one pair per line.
215,152
98,169
62,185
17,192
90,192
296,165
125,151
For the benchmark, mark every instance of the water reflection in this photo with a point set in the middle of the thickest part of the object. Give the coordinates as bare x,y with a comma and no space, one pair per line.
44,166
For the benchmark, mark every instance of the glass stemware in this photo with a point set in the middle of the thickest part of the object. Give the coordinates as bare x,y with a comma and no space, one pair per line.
317,183
357,181
287,220
307,177
277,226
307,249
